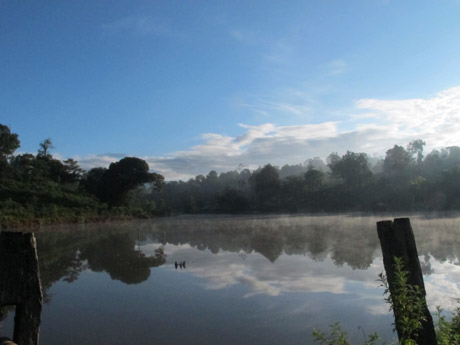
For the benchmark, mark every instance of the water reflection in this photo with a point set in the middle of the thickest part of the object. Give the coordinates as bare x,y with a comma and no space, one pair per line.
349,241
115,254
65,254
271,276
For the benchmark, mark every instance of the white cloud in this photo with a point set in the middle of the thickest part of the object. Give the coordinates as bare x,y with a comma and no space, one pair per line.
287,274
374,126
436,119
91,161
257,146
442,286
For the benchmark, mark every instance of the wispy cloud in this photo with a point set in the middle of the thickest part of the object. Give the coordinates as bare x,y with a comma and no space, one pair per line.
245,37
337,67
279,52
298,104
141,25
90,161
386,122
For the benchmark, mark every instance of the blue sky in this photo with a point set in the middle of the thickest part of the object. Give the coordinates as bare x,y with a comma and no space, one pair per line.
192,86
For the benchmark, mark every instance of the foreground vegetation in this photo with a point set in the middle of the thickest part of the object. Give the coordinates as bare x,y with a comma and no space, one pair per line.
409,301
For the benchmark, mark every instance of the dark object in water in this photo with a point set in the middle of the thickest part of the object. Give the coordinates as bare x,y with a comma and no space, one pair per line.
20,285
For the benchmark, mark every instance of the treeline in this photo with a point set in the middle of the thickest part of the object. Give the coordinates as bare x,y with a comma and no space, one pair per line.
403,180
39,188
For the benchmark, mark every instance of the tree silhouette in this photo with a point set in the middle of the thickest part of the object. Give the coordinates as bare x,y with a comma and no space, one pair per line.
123,176
45,146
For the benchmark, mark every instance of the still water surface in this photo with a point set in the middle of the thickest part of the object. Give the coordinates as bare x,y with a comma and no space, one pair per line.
246,280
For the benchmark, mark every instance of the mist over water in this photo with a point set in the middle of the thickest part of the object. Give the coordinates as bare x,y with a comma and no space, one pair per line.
245,280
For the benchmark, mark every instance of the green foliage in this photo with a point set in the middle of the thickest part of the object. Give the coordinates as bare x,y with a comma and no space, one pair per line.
45,146
114,184
266,185
9,142
352,167
314,180
339,337
401,181
407,302
447,332
41,189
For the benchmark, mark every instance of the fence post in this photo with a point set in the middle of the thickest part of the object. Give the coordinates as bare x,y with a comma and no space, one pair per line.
397,240
20,284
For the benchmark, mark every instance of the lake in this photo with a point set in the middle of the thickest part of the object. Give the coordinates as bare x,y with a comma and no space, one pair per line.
228,280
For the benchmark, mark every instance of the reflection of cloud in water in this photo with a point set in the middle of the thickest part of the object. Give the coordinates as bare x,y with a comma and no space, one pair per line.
290,273
378,308
300,273
442,287
275,256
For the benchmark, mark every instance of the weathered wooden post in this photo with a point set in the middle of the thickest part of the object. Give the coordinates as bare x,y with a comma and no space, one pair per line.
20,284
397,240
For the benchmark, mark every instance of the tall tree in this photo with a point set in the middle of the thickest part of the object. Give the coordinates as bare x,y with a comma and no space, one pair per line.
125,175
266,184
73,171
314,179
397,161
353,168
45,146
92,181
9,142
24,166
415,148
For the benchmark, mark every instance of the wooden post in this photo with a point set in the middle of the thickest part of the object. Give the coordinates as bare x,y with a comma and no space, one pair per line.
20,284
397,240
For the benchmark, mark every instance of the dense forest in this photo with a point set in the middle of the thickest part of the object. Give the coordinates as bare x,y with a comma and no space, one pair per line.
404,180
40,188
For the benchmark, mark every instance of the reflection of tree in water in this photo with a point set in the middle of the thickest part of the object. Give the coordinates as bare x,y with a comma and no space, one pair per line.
58,256
313,242
437,239
348,240
63,255
116,255
355,249
425,265
269,244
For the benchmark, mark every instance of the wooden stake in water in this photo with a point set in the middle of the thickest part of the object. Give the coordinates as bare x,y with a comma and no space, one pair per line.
20,284
397,240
